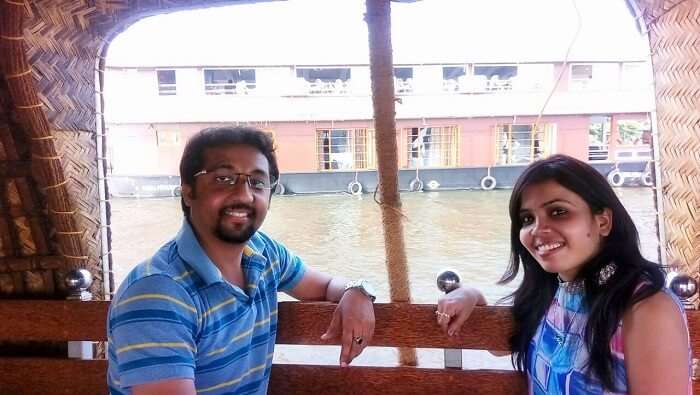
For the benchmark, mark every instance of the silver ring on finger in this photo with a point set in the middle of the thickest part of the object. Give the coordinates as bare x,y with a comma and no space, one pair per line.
442,315
358,340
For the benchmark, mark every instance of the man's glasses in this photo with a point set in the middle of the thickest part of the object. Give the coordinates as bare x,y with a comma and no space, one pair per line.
226,177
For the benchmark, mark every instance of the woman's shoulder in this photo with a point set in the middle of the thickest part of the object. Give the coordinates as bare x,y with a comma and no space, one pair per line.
656,344
660,310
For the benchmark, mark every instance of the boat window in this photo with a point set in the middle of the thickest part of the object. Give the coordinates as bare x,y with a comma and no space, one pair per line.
432,146
524,143
451,76
325,81
166,82
345,149
228,81
599,137
403,80
498,77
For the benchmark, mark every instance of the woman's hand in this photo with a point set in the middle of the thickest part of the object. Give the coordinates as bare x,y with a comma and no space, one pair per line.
455,307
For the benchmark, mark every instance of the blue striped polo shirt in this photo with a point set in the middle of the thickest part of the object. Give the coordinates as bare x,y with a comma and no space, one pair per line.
175,317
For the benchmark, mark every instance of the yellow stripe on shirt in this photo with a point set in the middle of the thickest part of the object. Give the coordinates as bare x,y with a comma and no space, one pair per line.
236,338
154,345
272,266
183,275
218,306
242,335
157,296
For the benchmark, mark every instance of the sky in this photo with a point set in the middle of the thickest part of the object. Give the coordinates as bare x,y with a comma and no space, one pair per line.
319,32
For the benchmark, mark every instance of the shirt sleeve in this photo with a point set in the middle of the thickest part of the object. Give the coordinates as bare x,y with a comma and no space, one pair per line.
292,268
153,326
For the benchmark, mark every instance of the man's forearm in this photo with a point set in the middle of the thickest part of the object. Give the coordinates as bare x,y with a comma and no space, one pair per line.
335,289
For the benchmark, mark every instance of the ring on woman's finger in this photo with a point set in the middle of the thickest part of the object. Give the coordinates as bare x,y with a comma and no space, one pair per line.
358,339
442,315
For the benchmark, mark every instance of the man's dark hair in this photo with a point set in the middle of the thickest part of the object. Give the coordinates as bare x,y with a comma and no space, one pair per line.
193,156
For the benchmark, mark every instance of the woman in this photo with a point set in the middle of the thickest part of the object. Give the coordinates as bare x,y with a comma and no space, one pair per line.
591,314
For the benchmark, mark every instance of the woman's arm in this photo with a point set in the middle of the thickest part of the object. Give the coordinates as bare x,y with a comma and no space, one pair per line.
455,307
655,339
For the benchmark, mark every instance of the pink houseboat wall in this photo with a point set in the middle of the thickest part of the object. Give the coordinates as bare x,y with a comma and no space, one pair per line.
155,149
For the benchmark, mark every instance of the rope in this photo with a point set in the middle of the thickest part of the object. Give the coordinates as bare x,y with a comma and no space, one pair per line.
30,106
12,38
63,212
75,257
28,71
564,64
57,157
382,204
73,232
42,138
56,185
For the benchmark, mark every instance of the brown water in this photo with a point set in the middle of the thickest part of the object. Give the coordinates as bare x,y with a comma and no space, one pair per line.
342,235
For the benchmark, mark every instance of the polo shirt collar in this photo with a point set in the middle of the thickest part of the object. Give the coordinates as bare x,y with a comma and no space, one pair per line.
192,252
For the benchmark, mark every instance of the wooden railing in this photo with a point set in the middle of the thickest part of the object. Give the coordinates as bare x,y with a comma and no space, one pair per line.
398,325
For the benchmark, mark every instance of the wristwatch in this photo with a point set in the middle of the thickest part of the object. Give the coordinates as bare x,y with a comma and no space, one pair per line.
364,286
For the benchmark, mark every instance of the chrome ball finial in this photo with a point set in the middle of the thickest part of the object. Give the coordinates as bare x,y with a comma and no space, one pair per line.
78,280
448,280
684,286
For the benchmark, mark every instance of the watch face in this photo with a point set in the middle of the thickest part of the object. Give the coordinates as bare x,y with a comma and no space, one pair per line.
368,288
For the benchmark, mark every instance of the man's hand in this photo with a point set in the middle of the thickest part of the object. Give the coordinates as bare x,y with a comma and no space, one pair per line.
353,322
454,308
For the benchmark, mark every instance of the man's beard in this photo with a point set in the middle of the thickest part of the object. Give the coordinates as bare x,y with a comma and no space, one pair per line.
234,236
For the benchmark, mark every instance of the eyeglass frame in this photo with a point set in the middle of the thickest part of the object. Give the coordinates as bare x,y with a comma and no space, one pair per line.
273,182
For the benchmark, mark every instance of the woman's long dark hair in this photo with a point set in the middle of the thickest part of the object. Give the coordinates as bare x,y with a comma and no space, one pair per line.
634,279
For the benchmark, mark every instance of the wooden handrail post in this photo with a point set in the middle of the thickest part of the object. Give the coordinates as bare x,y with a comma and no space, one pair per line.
448,281
77,282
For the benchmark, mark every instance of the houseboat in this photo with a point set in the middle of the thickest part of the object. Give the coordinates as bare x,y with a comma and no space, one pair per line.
466,117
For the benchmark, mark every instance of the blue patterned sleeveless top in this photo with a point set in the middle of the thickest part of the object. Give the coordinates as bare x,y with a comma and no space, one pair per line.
558,355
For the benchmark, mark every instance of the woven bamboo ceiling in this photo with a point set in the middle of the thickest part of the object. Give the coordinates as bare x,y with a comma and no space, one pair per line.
51,141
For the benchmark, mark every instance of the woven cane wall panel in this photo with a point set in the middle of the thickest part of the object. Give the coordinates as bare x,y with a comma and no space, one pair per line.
62,55
651,10
674,34
79,159
7,132
23,224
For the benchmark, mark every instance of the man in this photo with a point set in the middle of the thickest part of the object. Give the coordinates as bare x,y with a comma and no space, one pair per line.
200,316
